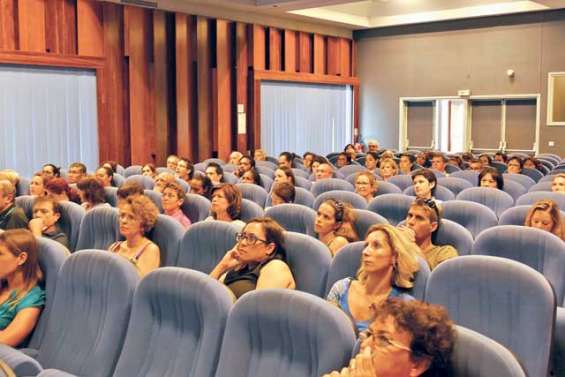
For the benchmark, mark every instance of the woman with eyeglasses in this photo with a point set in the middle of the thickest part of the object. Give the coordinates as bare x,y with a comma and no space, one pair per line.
366,185
388,265
257,260
334,224
545,215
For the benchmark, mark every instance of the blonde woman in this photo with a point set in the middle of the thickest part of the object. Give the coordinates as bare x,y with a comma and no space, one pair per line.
388,265
334,224
388,168
366,185
545,215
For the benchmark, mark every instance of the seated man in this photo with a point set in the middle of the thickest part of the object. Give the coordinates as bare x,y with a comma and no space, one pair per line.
11,217
439,162
424,219
235,156
77,171
46,215
162,180
324,171
406,339
406,164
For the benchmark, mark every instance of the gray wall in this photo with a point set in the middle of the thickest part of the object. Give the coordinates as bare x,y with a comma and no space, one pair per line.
440,58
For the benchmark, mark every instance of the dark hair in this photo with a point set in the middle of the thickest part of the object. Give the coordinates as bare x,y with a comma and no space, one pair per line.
189,166
467,156
48,199
218,168
503,155
18,241
347,157
517,159
59,186
343,213
79,165
151,167
289,157
494,174
177,188
433,209
256,176
128,189
489,158
288,172
206,184
233,196
533,160
251,160
308,154
439,154
458,160
429,175
94,192
109,173
410,156
285,191
274,233
113,166
56,170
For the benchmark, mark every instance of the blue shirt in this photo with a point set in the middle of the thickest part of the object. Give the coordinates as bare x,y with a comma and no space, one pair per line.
35,298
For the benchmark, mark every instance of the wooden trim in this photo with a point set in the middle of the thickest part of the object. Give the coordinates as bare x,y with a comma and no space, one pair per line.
304,78
45,59
90,30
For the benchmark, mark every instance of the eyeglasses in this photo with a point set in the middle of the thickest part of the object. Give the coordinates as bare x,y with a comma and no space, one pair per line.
250,238
383,341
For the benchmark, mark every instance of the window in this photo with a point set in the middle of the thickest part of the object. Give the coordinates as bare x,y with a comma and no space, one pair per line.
556,99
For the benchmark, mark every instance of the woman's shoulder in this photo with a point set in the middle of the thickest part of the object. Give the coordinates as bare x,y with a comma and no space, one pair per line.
275,265
34,298
341,286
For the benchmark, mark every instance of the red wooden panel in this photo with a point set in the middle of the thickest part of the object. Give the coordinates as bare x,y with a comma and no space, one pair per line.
305,57
290,51
90,35
8,29
275,49
31,25
242,63
60,34
353,58
319,54
333,56
345,57
224,87
258,47
161,65
203,43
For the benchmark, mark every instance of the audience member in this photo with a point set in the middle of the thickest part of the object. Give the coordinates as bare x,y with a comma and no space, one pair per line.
201,185
37,185
11,217
501,157
257,260
455,161
163,179
260,155
388,266
226,204
324,171
371,162
476,165
284,174
45,222
439,162
235,156
485,160
60,191
10,175
130,188
172,199
286,159
490,177
545,215
252,176
366,185
307,159
105,175
215,173
334,225
21,297
373,145
185,169
77,171
112,165
149,170
515,165
422,160
50,171
342,160
388,168
282,193
246,163
531,163
172,162
351,152
558,183
137,216
425,183
316,162
91,193
406,163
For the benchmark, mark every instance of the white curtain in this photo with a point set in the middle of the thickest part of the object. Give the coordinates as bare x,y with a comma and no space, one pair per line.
304,117
47,115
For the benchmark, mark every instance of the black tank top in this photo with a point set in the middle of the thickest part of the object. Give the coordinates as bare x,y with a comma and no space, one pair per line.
245,280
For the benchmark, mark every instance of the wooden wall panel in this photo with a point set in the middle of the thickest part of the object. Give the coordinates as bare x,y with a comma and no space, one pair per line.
319,54
258,50
60,38
204,88
8,25
290,51
275,49
242,68
333,56
90,34
224,75
305,57
345,57
164,134
31,25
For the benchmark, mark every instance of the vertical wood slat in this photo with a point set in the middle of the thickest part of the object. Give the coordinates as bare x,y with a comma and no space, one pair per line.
319,54
90,35
242,66
31,25
305,52
60,34
333,56
353,58
204,88
8,25
275,49
258,47
186,139
345,57
224,87
290,49
161,93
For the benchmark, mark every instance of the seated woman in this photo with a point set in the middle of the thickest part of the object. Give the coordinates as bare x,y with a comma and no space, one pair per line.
50,171
284,174
423,220
531,163
129,188
252,176
215,173
388,168
45,222
257,261
91,193
105,175
490,177
260,155
226,204
388,266
558,183
406,338
485,160
371,162
37,185
515,165
149,170
425,183
60,190
282,193
343,159
138,215
162,180
21,297
334,224
307,159
185,169
112,165
316,162
286,159
545,215
366,185
351,152
201,185
172,199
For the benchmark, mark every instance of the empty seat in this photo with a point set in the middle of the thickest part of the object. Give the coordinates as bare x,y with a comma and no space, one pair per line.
441,193
401,181
503,299
205,244
514,189
393,207
268,164
454,184
294,218
387,188
496,200
196,207
146,182
451,233
183,184
356,200
265,171
364,219
250,210
176,327
284,333
534,174
532,197
524,180
541,186
475,217
99,229
214,160
162,169
330,184
167,234
200,166
547,178
253,192
469,175
450,168
347,262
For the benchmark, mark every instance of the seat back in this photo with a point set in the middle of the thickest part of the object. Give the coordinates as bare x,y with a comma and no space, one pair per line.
155,198
514,189
268,164
475,355
99,229
540,186
196,207
294,218
356,200
91,310
505,300
25,202
470,176
351,169
330,184
229,177
71,218
496,200
300,173
364,219
517,215
454,184
524,180
534,174
386,188
132,170
253,192
204,244
451,233
22,187
532,197
402,181
250,210
111,195
167,234
303,182
475,217
265,171
146,182
118,179
393,207
186,312
284,333
309,260
441,193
